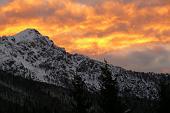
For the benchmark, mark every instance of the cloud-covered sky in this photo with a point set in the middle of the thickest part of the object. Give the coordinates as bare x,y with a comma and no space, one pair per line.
134,34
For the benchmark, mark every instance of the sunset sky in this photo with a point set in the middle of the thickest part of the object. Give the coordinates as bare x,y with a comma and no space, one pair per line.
134,34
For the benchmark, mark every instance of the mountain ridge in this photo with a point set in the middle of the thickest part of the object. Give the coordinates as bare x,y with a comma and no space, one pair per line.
33,56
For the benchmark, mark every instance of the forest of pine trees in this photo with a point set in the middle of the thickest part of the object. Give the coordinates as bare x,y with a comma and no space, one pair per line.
19,95
164,97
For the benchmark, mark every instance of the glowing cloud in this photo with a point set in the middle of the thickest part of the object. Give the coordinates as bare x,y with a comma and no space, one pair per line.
92,27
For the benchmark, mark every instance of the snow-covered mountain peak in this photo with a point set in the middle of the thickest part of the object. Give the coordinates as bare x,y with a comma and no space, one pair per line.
27,35
32,55
29,31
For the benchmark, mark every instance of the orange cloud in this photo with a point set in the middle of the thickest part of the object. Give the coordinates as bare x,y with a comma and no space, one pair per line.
91,27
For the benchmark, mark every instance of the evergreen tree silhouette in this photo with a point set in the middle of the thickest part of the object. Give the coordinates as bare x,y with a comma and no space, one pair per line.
110,102
80,95
164,98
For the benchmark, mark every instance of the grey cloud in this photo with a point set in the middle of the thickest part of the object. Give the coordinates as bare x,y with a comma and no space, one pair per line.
147,3
156,59
46,13
89,2
31,12
4,2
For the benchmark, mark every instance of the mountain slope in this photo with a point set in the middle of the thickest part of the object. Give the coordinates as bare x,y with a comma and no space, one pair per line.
33,56
20,95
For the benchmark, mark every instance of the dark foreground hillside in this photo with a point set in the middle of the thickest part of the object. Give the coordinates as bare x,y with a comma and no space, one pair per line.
19,95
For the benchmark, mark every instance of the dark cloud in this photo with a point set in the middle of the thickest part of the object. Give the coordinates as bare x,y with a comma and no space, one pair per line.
146,3
155,59
31,12
4,2
89,2
44,12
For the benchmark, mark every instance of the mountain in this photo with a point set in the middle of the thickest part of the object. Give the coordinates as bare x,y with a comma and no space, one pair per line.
35,59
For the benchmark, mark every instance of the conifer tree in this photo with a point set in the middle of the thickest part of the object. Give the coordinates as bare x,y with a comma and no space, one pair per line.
164,98
80,95
110,101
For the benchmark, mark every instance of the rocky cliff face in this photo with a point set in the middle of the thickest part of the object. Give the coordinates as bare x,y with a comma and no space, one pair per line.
33,56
